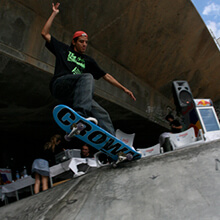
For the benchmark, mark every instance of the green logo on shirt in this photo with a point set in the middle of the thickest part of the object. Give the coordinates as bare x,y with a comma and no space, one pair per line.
80,63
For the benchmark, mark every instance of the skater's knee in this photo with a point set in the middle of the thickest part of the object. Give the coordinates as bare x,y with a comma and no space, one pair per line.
87,77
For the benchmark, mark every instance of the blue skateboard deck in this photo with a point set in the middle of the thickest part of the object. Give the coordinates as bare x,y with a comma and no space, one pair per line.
92,134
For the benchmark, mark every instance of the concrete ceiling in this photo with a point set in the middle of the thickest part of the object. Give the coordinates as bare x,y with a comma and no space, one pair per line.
146,44
158,41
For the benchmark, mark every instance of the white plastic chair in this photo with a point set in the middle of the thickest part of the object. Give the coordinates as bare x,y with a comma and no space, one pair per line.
124,137
184,139
150,151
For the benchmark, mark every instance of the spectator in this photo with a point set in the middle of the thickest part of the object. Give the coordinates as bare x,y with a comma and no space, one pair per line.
86,152
175,125
40,167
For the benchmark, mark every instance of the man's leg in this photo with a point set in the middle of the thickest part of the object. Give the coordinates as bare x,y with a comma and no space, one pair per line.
82,95
104,120
164,141
75,91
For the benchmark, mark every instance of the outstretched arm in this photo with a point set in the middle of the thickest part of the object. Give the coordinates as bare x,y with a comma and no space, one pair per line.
46,29
177,126
109,78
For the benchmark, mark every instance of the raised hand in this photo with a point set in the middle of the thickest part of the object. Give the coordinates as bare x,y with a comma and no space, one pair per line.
55,7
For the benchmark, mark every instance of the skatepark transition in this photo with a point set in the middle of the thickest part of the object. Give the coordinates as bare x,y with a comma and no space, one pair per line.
179,185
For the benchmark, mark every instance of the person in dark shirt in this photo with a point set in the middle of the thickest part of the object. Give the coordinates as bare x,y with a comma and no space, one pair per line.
175,125
45,158
85,152
164,138
73,80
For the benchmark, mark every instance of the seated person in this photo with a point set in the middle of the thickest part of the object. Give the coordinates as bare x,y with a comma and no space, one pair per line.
86,152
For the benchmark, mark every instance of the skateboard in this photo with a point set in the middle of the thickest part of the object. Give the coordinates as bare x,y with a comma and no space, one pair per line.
85,130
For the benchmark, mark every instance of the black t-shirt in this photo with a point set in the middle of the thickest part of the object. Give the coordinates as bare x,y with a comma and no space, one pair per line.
46,154
69,61
176,123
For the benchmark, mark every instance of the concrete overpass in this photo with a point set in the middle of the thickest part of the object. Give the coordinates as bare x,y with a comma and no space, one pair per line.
144,44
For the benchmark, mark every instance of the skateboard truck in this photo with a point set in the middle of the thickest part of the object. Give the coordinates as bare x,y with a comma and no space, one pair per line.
122,157
78,127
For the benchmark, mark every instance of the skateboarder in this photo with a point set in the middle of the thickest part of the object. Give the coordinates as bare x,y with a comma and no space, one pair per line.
74,75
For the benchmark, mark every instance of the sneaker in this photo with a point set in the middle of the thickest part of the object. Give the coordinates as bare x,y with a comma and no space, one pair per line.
94,120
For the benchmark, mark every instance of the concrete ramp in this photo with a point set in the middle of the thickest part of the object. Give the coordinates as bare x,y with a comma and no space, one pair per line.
179,185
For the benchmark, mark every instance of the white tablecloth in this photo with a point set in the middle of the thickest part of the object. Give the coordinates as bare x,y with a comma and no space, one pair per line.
71,165
54,171
15,186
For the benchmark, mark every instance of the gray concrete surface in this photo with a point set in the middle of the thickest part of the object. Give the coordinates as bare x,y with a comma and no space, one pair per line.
175,186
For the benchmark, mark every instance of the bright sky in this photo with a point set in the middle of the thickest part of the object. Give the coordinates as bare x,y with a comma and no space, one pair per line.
209,10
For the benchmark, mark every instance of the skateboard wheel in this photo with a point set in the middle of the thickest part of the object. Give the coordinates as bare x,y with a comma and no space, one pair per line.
67,138
80,127
114,165
129,156
77,132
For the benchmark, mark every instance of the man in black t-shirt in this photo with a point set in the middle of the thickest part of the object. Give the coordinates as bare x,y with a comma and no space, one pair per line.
175,125
73,80
164,138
